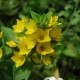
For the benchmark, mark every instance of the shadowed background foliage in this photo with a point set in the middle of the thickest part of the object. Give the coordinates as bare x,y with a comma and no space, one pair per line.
68,53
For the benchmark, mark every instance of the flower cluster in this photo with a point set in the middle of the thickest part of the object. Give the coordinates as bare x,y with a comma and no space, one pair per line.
34,41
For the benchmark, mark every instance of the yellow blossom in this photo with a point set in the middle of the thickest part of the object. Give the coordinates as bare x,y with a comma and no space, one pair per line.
55,34
0,52
1,34
18,59
19,27
31,27
46,59
43,35
20,38
44,48
35,58
53,21
26,45
27,42
11,43
24,51
32,37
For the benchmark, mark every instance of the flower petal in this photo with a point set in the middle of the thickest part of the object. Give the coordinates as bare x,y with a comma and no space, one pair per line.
55,34
11,43
19,60
44,48
46,59
43,35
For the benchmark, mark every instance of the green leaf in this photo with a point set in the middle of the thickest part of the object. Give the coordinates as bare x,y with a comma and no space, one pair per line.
71,51
7,50
76,1
75,21
68,6
43,20
35,16
9,7
49,14
8,34
23,72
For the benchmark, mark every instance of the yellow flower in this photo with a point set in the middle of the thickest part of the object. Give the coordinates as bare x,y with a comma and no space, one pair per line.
43,35
19,27
31,27
53,21
32,37
35,58
18,59
0,52
1,34
26,45
44,48
24,51
11,43
46,59
27,42
55,34
20,38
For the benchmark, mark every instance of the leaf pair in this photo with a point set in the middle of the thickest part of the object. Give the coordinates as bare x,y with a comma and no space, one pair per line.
41,20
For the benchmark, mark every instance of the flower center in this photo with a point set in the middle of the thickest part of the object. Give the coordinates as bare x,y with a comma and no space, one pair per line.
41,37
42,48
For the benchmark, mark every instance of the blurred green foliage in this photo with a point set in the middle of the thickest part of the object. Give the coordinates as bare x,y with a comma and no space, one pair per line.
68,54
